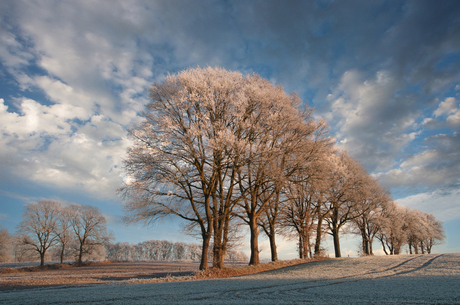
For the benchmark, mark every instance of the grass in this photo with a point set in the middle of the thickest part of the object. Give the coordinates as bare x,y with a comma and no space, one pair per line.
212,273
95,278
51,267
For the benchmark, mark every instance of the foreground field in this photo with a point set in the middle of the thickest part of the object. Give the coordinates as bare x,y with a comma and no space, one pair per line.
123,272
416,279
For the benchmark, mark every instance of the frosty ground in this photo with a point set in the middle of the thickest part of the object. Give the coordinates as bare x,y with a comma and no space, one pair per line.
404,279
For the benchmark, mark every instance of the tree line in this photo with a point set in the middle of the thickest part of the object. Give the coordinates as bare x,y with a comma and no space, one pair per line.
219,149
163,250
68,231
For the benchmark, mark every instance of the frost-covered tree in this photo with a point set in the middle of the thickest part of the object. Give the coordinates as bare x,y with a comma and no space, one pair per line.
38,228
423,231
370,204
6,242
279,139
435,232
393,228
292,210
300,211
346,185
211,139
63,231
89,227
400,225
183,161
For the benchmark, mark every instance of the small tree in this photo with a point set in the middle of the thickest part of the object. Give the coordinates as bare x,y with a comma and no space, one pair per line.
63,231
90,228
5,245
393,228
38,227
435,234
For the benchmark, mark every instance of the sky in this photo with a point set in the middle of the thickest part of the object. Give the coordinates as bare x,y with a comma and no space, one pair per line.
74,75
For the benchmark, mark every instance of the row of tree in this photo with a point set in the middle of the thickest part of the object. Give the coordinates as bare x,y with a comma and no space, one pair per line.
218,149
396,226
75,230
162,250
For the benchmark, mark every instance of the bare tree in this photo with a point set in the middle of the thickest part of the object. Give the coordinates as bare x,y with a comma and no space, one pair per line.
63,231
278,132
6,243
89,227
423,231
393,228
269,222
435,234
38,227
179,164
369,205
212,139
346,185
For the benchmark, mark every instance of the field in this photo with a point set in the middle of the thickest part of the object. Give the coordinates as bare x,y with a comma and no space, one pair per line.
404,279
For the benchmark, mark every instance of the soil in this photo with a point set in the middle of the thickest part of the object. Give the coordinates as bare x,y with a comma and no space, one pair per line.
93,274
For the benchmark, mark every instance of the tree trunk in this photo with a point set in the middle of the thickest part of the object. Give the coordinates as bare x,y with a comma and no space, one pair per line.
273,247
384,248
318,236
223,245
42,258
307,247
335,236
80,254
217,247
300,246
62,254
204,251
254,241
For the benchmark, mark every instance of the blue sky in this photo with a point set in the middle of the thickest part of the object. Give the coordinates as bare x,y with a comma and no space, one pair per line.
74,74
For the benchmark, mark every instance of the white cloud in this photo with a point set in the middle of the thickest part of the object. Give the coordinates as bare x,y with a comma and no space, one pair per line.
448,106
444,205
95,80
40,145
370,120
420,159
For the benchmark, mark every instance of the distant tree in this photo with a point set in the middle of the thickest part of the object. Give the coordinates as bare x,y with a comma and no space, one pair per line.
180,250
416,230
23,252
393,228
6,243
435,234
63,231
89,227
370,202
39,225
423,231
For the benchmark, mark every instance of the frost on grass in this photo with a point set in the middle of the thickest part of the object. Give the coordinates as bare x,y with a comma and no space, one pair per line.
408,279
